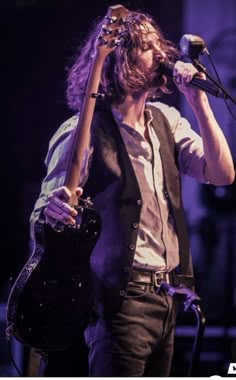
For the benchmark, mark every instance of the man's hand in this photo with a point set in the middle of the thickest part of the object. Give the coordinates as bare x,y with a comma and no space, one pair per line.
183,73
58,208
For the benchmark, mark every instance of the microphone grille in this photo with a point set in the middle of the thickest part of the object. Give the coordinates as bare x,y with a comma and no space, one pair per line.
184,43
192,45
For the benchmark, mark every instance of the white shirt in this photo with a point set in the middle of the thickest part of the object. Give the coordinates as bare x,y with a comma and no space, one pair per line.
157,244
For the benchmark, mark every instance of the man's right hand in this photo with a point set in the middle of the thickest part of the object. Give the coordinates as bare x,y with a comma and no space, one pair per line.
58,208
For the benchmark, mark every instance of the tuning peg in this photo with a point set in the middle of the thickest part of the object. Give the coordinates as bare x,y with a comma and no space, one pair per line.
118,32
102,41
115,43
111,19
106,30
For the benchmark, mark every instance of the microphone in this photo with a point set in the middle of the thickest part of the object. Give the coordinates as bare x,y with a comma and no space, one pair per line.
167,67
192,45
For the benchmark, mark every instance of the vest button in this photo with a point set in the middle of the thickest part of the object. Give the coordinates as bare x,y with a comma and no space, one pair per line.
131,247
122,292
135,225
139,202
166,194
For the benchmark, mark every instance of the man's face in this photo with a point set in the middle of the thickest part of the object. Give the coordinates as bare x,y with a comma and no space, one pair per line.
150,53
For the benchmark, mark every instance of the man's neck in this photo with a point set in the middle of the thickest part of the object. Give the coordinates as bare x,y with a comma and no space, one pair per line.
132,111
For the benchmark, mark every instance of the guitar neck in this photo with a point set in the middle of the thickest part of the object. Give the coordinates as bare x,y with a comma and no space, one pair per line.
106,43
82,135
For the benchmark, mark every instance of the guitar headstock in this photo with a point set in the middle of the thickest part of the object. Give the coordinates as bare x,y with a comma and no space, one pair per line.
112,29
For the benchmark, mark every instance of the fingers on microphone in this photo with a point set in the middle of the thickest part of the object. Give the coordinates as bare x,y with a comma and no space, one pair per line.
183,72
79,191
177,79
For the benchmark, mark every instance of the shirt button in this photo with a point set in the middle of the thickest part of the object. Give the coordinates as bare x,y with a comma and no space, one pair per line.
135,225
139,202
131,247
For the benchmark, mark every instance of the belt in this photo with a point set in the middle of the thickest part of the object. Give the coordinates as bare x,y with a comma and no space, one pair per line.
151,277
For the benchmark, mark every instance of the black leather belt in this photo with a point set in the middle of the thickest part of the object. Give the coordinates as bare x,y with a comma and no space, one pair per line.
151,277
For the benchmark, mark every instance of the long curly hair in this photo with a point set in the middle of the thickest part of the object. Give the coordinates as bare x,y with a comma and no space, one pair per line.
123,72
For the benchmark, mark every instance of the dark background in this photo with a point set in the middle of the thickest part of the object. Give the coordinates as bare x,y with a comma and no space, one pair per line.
39,38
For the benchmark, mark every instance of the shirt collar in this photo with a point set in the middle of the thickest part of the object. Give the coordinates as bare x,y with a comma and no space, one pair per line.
119,117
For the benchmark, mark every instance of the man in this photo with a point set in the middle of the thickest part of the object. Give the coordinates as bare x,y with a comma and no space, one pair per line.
134,153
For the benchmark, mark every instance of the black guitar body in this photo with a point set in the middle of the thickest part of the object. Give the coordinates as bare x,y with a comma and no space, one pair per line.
51,299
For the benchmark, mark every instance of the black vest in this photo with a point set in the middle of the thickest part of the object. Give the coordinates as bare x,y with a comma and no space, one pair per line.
113,186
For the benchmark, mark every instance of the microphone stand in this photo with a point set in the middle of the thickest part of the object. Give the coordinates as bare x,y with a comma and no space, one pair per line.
220,91
190,301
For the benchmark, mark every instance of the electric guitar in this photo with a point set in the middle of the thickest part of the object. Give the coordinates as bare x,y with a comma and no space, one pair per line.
51,299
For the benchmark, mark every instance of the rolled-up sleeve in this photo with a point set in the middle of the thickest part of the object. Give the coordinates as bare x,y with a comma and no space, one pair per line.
56,162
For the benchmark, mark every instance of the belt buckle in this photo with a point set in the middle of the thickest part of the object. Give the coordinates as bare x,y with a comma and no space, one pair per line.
161,276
